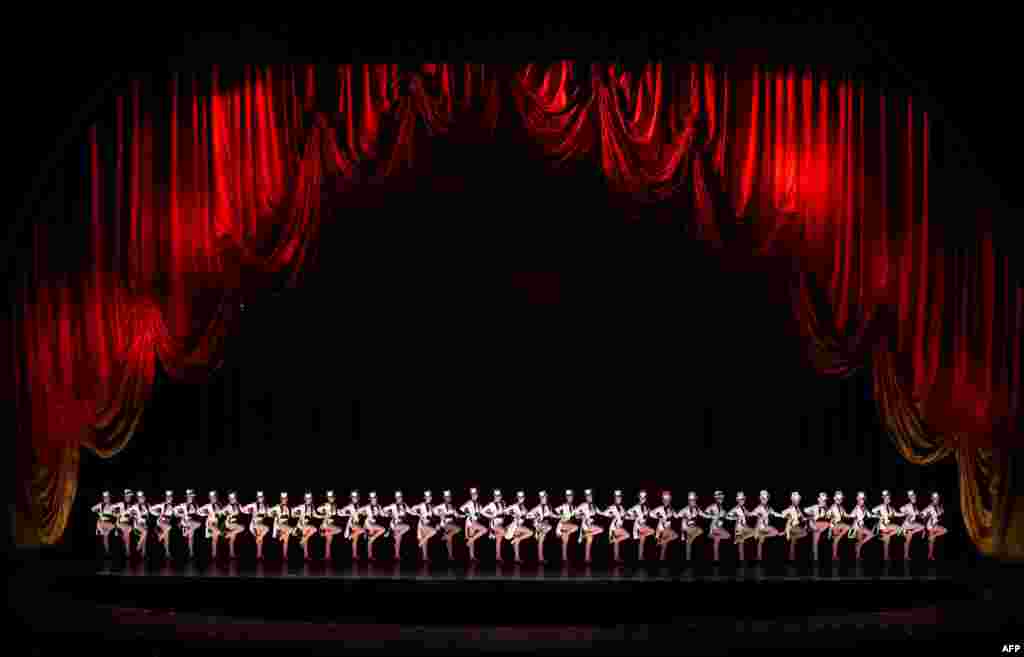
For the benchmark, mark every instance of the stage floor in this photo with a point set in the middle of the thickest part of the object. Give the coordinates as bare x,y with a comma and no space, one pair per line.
646,609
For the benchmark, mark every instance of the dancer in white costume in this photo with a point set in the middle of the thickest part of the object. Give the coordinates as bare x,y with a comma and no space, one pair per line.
125,520
330,527
716,514
639,513
742,531
106,512
310,521
932,514
189,519
283,530
540,515
448,516
371,512
164,512
763,512
689,527
911,523
818,515
837,528
397,512
887,526
859,529
664,515
426,525
494,511
475,530
211,513
617,530
140,514
353,527
232,522
259,515
566,527
796,523
588,527
516,532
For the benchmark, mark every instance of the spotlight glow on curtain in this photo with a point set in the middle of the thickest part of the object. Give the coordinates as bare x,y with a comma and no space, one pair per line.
199,194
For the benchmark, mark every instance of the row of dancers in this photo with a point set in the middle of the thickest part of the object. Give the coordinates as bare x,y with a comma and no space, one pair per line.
516,522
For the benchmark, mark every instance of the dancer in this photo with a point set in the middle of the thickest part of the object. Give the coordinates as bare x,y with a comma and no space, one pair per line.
448,514
189,519
232,522
259,513
886,527
126,521
931,515
211,512
140,512
353,528
818,514
425,528
763,512
664,515
837,528
796,523
742,531
540,515
328,512
716,514
911,526
566,527
588,528
517,531
689,515
616,530
164,512
859,528
282,515
639,514
397,511
309,522
495,512
106,511
371,512
474,529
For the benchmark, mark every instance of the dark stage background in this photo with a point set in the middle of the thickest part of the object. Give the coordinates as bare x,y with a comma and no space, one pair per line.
485,322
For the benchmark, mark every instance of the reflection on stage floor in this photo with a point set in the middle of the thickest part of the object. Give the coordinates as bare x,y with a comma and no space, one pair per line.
444,573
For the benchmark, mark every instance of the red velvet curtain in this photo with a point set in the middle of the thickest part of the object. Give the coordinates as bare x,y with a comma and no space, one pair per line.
196,195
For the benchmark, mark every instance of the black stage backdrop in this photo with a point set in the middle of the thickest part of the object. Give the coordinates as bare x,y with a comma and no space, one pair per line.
441,347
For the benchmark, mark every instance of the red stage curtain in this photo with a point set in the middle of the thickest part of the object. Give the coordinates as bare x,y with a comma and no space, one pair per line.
199,194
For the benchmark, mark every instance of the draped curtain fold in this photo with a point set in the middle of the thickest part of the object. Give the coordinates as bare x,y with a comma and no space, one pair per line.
205,191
